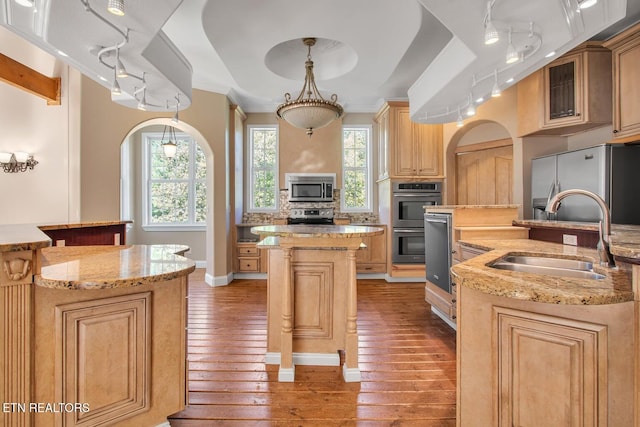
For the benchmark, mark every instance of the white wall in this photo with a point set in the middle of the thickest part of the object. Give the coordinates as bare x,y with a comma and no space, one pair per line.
50,192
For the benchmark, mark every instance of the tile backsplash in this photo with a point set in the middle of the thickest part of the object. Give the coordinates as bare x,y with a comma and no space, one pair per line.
285,207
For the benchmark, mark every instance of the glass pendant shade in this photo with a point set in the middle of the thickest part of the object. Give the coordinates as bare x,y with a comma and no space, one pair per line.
312,112
116,7
170,149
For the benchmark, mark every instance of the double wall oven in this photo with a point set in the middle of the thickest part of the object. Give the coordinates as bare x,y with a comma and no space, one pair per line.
409,200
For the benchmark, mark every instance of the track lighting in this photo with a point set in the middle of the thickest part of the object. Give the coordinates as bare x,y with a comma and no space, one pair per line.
512,53
121,71
459,122
495,92
26,3
471,111
584,4
491,34
115,88
142,104
116,7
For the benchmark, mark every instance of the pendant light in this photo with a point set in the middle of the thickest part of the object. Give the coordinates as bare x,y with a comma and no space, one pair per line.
512,54
170,147
584,4
314,111
116,7
495,92
491,34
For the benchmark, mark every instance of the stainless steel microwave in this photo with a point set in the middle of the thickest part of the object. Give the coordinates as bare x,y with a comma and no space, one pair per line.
310,187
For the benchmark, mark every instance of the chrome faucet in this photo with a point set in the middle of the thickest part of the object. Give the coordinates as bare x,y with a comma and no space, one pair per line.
604,228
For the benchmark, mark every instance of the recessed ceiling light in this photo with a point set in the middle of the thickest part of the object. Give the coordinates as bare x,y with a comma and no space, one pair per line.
510,80
550,54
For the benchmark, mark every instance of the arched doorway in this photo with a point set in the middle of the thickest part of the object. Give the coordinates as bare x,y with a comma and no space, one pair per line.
481,158
131,182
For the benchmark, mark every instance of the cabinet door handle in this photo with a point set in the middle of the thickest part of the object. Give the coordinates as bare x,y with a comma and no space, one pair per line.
615,131
577,114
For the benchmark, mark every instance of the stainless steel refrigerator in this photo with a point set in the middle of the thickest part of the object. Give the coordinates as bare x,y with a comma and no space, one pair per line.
611,171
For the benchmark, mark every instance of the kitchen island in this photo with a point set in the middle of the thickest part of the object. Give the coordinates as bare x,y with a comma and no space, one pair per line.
312,295
92,335
547,349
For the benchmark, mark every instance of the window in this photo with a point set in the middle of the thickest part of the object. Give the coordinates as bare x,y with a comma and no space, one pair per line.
356,169
263,168
175,193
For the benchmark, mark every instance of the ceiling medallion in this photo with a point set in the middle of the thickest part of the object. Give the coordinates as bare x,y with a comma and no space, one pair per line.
312,112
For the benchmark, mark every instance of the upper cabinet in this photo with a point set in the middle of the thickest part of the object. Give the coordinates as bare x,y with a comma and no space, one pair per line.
569,95
625,50
407,149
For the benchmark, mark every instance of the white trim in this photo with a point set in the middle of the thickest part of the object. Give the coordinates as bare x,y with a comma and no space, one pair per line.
164,424
175,227
219,280
314,359
201,264
351,375
370,275
287,375
390,279
444,317
254,276
249,169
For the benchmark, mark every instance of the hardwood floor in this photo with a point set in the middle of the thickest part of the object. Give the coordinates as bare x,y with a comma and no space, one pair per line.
406,354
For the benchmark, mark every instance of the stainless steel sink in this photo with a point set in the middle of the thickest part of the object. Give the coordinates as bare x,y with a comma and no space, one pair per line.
548,266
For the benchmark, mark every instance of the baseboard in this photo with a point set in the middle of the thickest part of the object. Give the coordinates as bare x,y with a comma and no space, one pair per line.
253,276
444,317
287,375
390,279
164,424
315,359
351,375
370,276
201,264
218,281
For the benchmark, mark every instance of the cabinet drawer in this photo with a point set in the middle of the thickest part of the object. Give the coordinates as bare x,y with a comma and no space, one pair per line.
248,251
371,268
249,264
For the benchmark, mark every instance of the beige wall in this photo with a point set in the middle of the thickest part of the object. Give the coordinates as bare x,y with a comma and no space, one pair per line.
105,125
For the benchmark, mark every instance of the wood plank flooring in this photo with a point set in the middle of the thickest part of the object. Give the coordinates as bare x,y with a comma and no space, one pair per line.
406,355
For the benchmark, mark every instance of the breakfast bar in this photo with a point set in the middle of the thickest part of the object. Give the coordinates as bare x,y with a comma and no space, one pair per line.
312,295
93,335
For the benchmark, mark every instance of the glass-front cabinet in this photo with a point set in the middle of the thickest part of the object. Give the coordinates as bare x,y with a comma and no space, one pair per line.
563,90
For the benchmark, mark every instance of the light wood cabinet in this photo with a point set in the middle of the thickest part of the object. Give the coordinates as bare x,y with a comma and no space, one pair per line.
569,95
625,49
248,258
407,149
373,258
543,364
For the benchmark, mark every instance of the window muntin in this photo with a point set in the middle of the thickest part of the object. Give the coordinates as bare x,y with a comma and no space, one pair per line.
356,169
262,168
175,190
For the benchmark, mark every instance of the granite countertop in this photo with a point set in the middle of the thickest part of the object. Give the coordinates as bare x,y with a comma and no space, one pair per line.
625,239
476,274
22,237
85,224
104,267
306,231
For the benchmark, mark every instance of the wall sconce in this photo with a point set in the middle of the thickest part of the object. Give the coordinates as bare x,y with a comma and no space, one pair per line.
17,162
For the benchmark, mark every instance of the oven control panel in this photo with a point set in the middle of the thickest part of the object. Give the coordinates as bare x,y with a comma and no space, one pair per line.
320,213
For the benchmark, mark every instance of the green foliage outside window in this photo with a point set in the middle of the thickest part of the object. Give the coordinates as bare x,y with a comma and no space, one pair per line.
355,166
177,186
263,167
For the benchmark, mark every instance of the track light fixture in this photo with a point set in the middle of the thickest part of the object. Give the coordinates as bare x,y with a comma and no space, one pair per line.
491,34
512,54
471,111
585,4
459,122
26,3
121,71
495,91
116,7
115,88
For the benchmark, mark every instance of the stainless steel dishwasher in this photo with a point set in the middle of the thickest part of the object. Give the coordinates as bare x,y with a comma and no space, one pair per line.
437,244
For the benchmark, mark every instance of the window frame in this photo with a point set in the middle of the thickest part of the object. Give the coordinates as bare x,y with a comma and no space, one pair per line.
250,169
147,181
368,171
